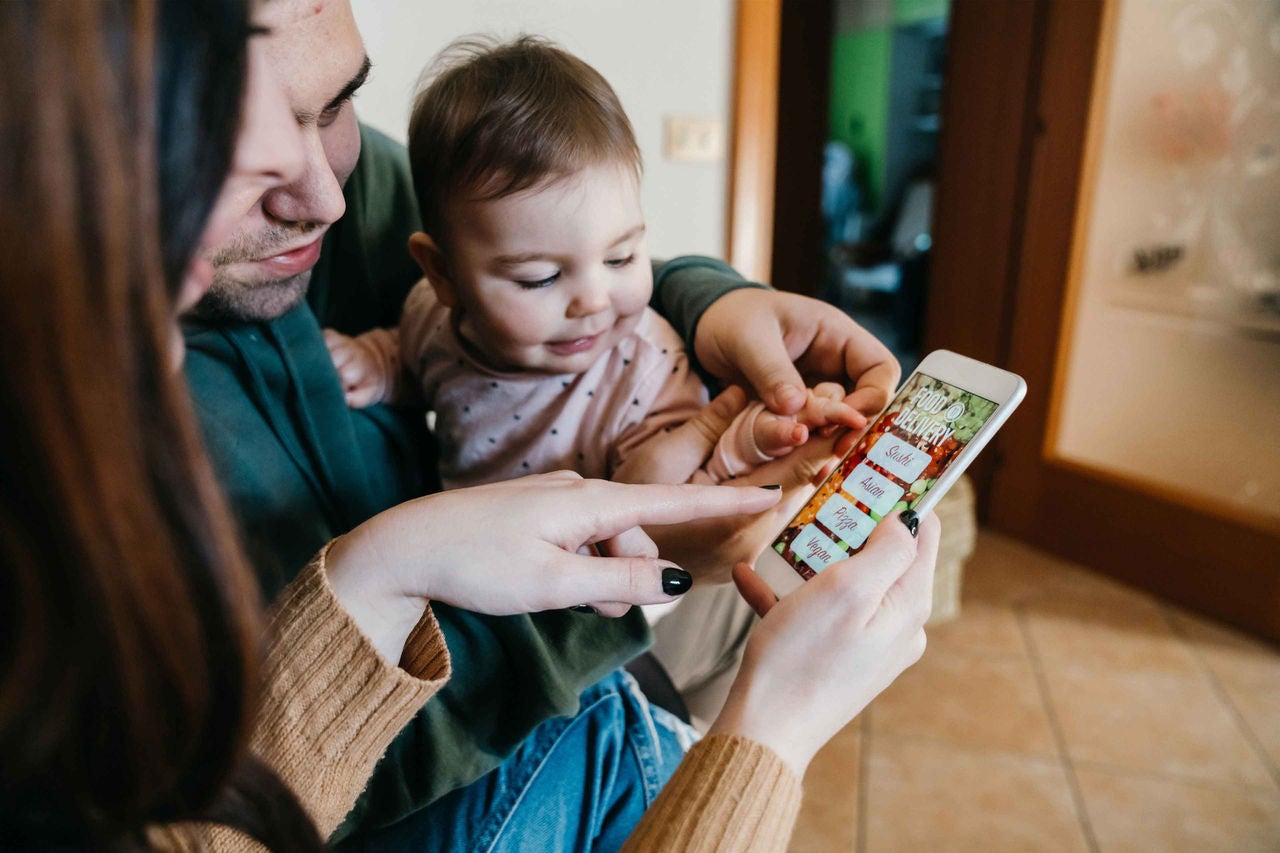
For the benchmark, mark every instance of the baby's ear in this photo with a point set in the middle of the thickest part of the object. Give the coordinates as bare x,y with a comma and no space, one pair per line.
434,266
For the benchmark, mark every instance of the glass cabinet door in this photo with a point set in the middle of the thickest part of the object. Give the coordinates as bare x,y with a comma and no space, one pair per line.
1170,359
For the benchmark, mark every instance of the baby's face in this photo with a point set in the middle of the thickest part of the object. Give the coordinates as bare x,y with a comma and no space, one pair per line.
551,278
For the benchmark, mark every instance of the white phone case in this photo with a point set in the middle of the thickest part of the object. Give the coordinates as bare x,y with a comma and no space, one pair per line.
1000,387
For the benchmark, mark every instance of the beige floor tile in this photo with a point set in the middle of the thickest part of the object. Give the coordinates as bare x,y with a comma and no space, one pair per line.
923,795
1259,706
1003,571
1231,655
828,821
981,627
970,700
1247,669
1152,721
1139,814
1080,626
1006,571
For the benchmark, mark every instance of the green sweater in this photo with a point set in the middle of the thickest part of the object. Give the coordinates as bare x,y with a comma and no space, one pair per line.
300,468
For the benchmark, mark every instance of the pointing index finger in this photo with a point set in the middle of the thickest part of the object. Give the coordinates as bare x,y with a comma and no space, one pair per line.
608,509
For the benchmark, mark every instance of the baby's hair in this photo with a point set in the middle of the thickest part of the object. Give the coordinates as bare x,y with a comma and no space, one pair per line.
492,119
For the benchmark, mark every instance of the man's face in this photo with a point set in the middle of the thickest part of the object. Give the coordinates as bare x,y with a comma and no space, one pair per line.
263,269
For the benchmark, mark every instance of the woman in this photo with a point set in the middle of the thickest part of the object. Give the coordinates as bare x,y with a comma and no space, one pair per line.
129,684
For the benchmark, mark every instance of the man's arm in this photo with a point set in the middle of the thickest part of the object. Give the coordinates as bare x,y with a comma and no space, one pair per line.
685,287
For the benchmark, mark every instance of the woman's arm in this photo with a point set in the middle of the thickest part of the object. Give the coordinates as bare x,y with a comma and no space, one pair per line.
513,547
329,705
815,661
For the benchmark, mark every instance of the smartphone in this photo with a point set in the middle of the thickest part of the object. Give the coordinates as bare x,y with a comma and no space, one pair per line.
940,419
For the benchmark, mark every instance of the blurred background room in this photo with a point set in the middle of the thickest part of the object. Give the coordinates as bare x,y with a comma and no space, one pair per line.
1086,193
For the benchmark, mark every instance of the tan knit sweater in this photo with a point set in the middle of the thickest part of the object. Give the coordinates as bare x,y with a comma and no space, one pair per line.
331,705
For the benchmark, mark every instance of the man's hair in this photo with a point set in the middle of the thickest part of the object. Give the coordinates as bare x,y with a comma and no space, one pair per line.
492,119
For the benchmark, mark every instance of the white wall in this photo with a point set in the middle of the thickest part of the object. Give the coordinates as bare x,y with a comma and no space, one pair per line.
661,56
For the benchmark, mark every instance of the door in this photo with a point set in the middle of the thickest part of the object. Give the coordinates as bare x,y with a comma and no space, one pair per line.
1107,227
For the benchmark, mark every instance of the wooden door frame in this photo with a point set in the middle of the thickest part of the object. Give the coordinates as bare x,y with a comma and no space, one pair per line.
753,137
776,139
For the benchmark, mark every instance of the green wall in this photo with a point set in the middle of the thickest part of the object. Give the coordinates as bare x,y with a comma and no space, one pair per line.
860,63
860,94
911,11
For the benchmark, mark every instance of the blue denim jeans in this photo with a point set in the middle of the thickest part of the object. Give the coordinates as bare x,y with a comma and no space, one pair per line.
576,784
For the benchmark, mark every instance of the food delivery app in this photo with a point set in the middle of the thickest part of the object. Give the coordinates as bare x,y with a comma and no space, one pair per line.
892,467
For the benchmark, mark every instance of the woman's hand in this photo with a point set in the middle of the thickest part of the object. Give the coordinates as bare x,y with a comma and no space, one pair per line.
821,654
709,547
513,547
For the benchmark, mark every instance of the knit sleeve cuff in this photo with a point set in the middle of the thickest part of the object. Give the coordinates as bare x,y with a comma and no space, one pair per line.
730,793
330,704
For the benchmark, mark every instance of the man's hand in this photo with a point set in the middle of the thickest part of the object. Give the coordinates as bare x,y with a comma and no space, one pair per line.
825,411
776,341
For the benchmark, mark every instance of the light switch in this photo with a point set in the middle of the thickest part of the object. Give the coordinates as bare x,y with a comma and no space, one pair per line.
693,138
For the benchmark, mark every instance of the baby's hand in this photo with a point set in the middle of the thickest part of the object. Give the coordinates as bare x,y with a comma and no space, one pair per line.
824,410
366,365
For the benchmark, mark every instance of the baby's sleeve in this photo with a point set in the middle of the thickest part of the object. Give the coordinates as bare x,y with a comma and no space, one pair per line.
421,325
656,451
736,453
649,451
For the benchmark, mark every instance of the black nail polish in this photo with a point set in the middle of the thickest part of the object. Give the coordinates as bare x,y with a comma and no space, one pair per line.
772,487
583,608
676,581
911,520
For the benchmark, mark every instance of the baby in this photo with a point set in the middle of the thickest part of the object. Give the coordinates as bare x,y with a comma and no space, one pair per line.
531,337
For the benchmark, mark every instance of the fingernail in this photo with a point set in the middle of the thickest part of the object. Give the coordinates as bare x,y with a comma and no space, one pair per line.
787,394
772,487
676,581
583,608
911,520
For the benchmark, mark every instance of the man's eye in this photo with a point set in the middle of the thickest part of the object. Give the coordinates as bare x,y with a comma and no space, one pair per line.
330,115
542,282
620,262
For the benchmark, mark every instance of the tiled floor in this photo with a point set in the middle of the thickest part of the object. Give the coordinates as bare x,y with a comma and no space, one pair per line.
1061,711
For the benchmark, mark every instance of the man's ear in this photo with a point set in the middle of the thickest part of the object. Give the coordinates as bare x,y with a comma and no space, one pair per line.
435,266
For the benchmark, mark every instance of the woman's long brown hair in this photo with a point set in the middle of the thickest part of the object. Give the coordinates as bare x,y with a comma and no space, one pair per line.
129,626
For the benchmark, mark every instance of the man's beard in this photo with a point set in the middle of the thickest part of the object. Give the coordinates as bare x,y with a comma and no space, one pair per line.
230,298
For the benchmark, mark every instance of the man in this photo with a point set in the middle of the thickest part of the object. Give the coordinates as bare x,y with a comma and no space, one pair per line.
329,250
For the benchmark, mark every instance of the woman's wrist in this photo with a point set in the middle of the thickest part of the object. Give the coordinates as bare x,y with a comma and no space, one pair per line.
371,596
752,713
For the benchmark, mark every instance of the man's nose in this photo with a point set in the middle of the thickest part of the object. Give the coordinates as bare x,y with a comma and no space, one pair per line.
315,196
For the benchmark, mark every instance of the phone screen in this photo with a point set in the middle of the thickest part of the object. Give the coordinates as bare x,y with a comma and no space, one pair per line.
892,467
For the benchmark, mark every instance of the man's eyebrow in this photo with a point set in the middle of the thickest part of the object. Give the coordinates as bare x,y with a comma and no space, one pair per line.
353,85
